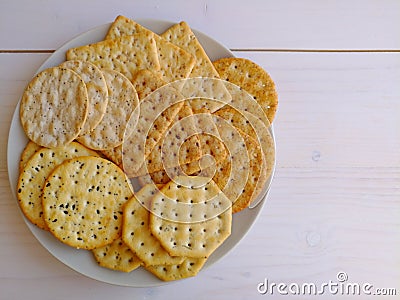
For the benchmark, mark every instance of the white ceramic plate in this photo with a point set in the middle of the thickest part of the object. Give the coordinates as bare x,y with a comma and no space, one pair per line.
81,260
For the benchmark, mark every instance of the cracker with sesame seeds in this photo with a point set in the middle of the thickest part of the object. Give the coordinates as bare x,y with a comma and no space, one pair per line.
34,174
30,149
83,200
96,89
54,107
122,103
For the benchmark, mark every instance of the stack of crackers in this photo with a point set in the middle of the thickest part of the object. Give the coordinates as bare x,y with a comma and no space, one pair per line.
154,110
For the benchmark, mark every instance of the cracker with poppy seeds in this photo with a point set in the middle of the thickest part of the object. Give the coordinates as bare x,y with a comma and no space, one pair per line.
136,232
54,107
34,174
30,149
117,256
252,78
188,268
175,63
122,104
126,54
96,89
190,216
83,201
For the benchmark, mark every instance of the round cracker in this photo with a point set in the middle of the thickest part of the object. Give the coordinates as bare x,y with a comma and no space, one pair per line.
96,89
30,149
122,102
252,78
34,174
54,107
83,201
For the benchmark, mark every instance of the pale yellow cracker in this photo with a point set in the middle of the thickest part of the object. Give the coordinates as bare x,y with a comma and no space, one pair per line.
127,54
252,78
96,89
250,125
83,201
182,36
122,102
175,63
146,82
117,256
210,147
136,232
156,113
188,268
190,216
34,174
30,149
54,107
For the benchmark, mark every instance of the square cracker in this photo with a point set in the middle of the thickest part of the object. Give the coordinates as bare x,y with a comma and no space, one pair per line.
126,54
182,36
175,63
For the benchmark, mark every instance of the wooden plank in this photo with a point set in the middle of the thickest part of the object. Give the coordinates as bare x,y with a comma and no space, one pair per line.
256,24
334,202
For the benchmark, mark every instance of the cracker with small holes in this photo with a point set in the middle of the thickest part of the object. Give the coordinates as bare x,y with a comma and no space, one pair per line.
244,172
253,127
181,35
188,268
213,151
190,216
96,89
54,107
157,111
117,256
175,63
122,103
126,54
30,149
252,78
136,232
83,201
34,174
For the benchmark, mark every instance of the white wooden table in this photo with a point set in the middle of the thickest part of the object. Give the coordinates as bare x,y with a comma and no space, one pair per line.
335,200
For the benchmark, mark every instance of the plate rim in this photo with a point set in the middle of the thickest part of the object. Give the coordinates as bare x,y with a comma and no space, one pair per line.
38,233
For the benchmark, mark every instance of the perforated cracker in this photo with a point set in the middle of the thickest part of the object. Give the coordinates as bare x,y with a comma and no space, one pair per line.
54,107
252,78
117,256
34,174
190,216
96,89
175,63
181,35
122,102
126,54
188,268
136,232
83,201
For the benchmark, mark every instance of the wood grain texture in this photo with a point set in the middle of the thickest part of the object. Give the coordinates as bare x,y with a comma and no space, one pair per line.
335,199
254,24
